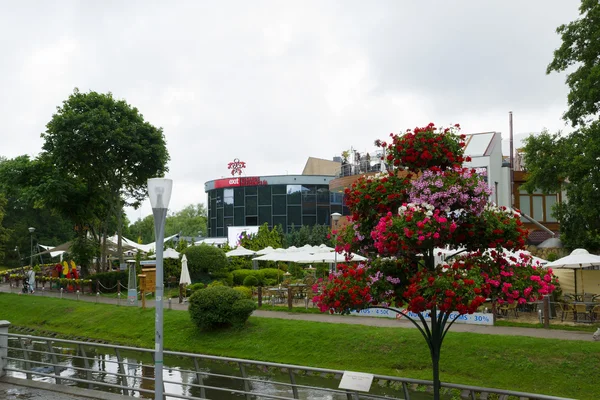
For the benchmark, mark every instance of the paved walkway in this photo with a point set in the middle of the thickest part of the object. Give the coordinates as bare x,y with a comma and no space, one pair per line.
20,389
327,318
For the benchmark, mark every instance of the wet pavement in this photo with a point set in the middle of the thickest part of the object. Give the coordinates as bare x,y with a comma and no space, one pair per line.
22,389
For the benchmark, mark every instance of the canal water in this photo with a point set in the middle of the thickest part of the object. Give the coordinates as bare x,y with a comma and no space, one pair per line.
140,370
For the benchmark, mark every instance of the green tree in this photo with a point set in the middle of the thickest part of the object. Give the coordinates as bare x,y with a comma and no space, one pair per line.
265,237
105,146
569,163
581,48
20,179
189,221
3,231
205,259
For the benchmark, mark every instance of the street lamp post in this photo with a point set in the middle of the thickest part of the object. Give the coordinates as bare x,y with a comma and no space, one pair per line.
159,190
335,217
31,230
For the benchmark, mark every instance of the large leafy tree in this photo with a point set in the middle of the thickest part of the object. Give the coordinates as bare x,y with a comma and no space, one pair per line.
557,163
580,48
189,221
399,218
104,146
19,180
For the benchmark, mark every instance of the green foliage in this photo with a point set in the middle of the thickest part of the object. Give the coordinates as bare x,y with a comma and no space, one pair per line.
194,287
188,222
555,163
219,307
171,267
552,257
311,235
240,275
108,280
205,259
225,277
263,238
245,291
251,281
580,48
3,231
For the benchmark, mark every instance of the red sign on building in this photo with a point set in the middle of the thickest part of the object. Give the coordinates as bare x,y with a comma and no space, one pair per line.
239,181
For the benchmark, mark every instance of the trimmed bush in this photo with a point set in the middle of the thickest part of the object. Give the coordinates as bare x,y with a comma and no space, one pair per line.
205,259
219,307
239,275
108,280
251,281
194,287
246,292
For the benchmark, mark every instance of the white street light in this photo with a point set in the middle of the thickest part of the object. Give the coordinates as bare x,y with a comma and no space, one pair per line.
31,230
159,190
335,217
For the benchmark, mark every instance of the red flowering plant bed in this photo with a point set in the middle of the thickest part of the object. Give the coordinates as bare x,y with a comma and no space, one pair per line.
399,222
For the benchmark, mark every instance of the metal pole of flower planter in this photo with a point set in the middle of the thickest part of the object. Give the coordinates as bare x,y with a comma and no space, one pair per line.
335,217
159,190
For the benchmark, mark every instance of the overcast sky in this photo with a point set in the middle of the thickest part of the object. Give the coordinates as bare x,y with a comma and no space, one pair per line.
274,82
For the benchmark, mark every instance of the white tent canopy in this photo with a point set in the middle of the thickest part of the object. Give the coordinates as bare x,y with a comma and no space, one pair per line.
577,260
168,253
240,251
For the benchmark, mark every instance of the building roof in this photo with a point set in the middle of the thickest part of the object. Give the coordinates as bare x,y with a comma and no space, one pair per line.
320,166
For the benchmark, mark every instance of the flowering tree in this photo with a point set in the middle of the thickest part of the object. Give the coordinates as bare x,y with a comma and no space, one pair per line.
427,200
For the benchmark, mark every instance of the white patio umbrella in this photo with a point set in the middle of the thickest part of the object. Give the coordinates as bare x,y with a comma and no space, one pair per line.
266,250
578,259
240,251
329,257
168,253
184,278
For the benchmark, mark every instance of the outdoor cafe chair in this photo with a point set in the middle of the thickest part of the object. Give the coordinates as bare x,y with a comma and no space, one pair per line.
564,309
595,312
578,310
506,308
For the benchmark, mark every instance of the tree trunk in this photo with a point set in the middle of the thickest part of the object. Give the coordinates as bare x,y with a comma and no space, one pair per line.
119,212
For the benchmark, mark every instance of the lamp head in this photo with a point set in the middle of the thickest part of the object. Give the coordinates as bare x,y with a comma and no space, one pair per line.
31,229
159,190
335,217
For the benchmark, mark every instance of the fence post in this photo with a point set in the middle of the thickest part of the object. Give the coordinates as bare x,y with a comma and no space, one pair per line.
3,346
97,286
547,312
290,297
180,293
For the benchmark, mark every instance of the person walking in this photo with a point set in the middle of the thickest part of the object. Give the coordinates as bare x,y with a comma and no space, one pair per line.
31,280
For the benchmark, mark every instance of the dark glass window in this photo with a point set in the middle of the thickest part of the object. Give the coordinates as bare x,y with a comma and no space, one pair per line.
309,208
251,206
264,195
309,200
250,190
294,194
279,189
279,205
323,215
213,207
251,221
228,196
336,198
294,215
228,210
220,232
238,196
309,220
238,216
323,195
213,227
280,220
219,197
264,215
228,221
219,217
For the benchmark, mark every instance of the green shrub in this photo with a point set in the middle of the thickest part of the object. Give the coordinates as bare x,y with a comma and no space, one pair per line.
215,284
246,292
552,257
239,275
205,259
194,287
225,277
271,274
108,280
251,281
219,307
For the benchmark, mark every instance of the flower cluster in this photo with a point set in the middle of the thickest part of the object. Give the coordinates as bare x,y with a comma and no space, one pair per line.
461,190
416,226
346,289
458,287
423,148
511,279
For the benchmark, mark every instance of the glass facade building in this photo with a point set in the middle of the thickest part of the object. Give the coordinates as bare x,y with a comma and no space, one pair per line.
287,200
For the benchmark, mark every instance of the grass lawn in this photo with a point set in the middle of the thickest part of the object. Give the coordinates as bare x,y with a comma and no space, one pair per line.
553,367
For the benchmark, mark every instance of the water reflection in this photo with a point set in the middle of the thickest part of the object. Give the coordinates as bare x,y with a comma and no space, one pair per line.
181,376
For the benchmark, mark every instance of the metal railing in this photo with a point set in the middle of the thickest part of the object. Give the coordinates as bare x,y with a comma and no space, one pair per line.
130,371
